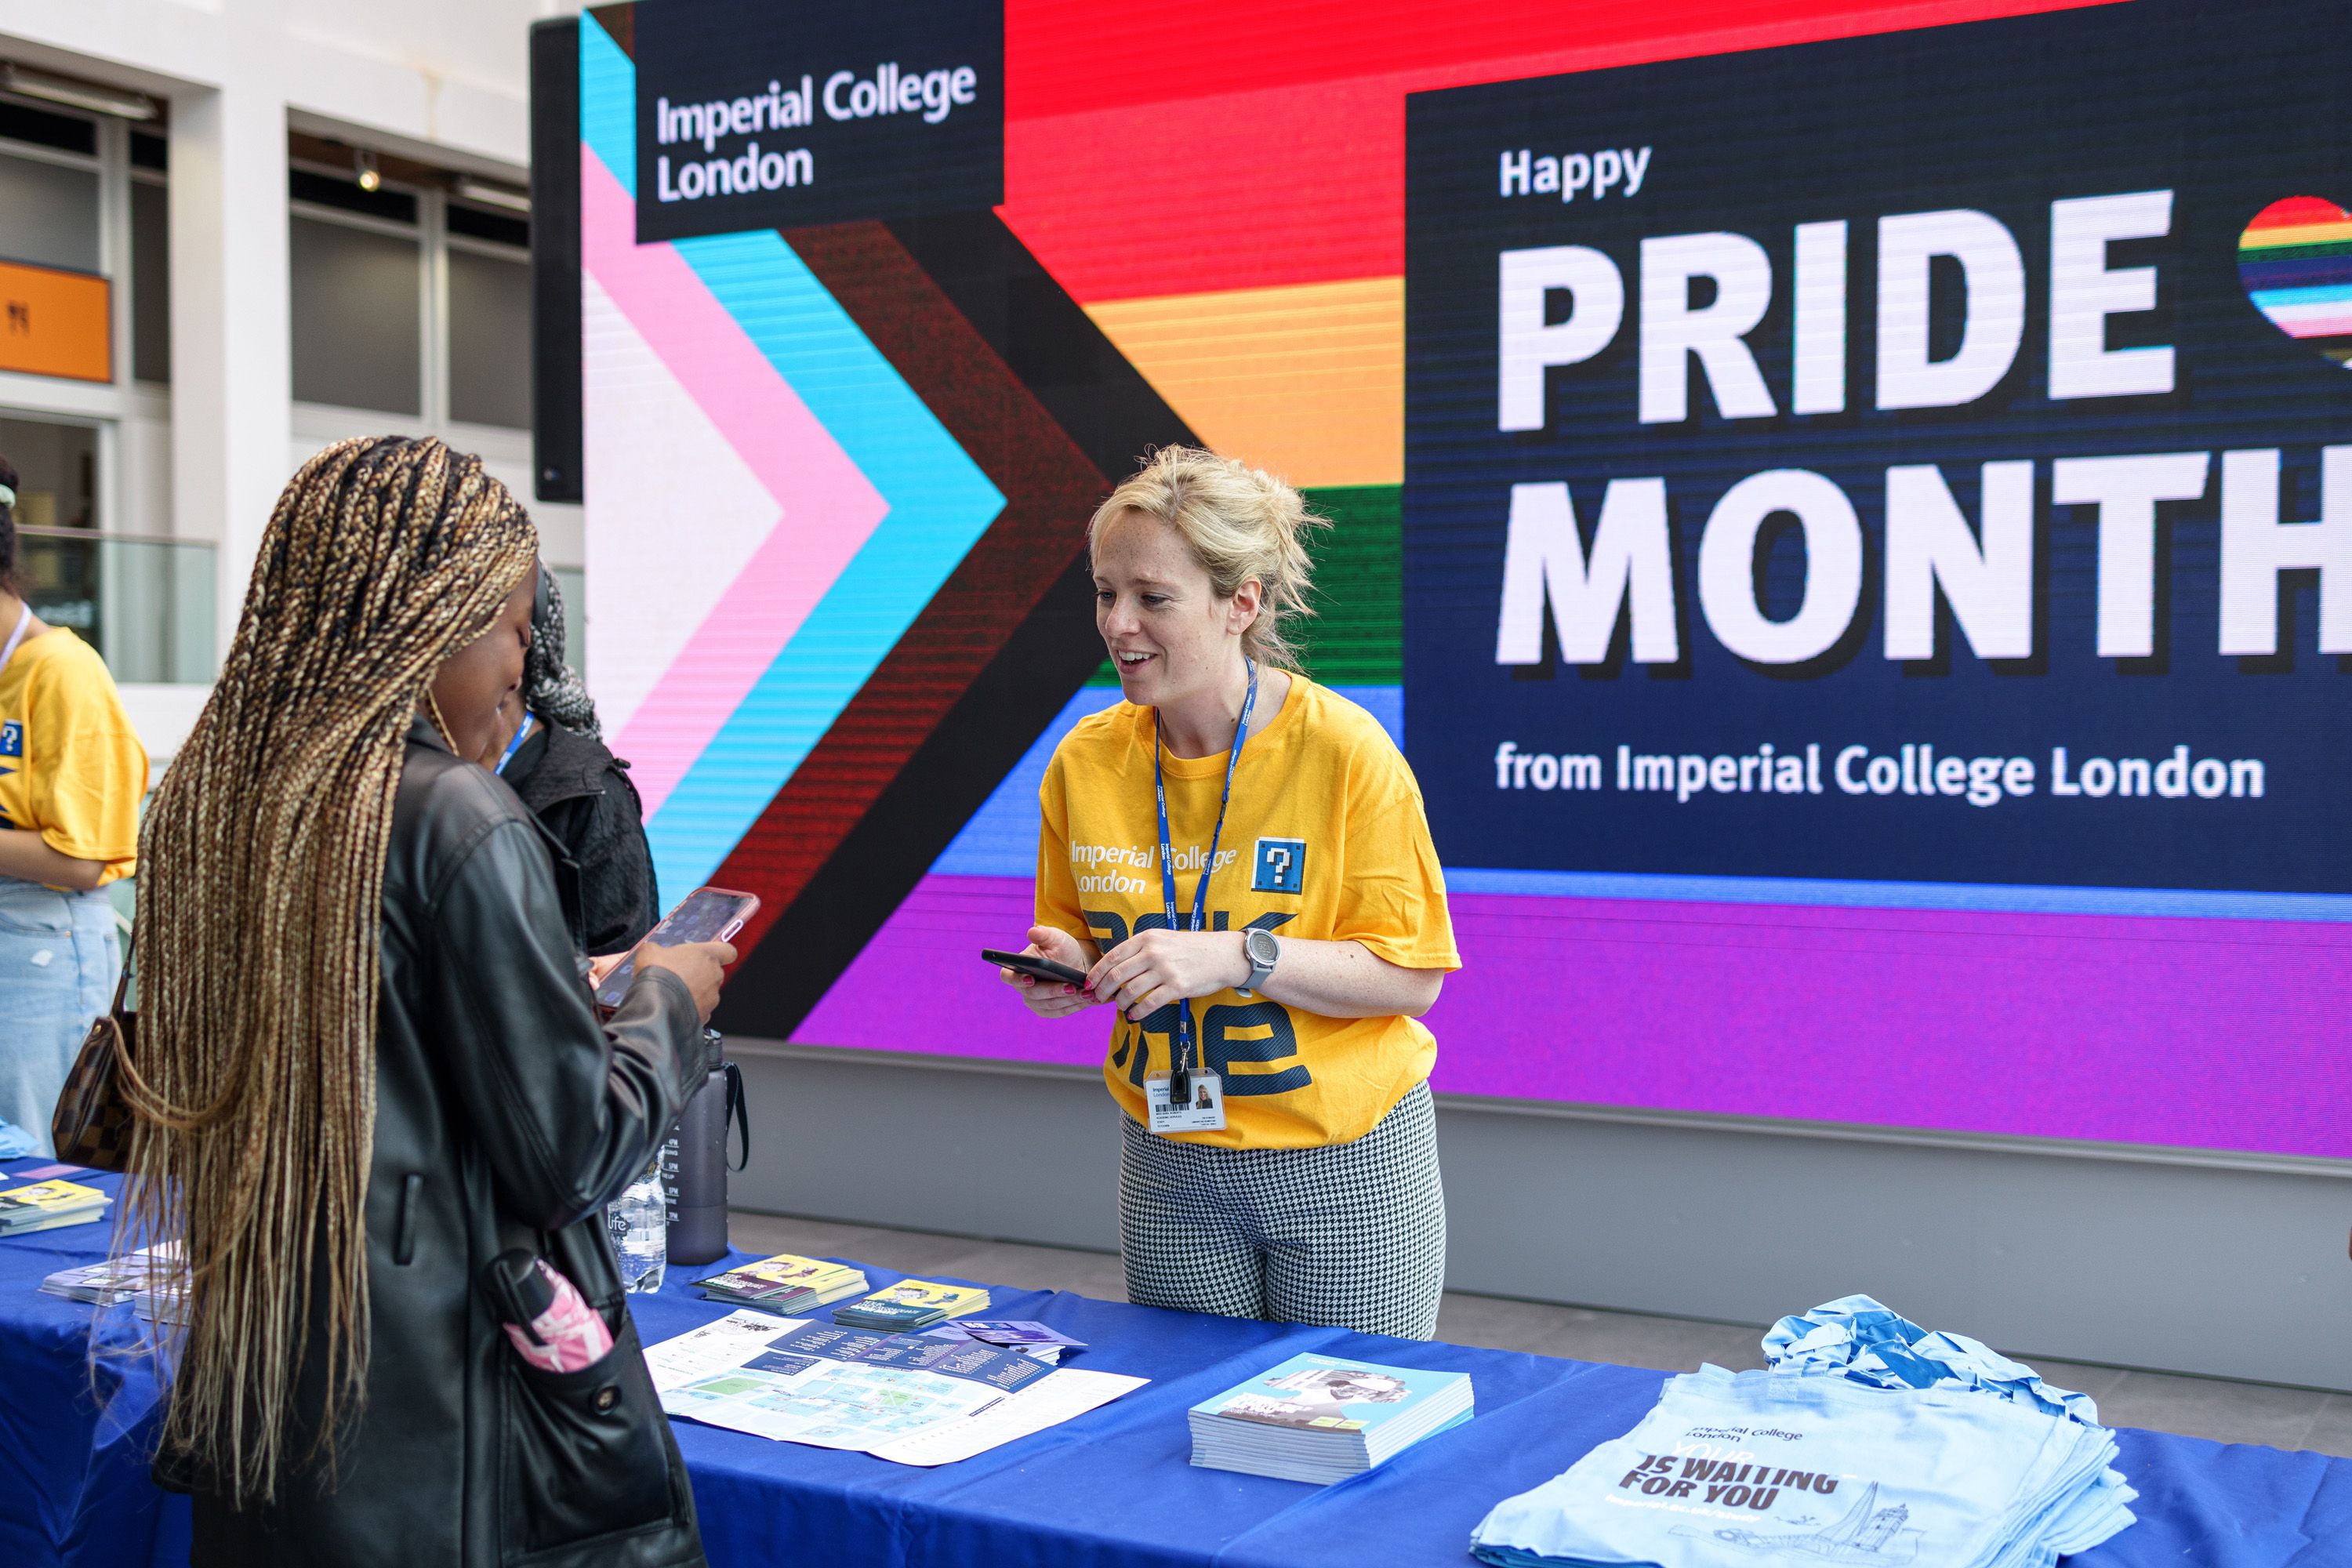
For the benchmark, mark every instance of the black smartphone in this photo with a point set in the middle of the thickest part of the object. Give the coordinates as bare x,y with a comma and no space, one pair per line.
705,914
1034,967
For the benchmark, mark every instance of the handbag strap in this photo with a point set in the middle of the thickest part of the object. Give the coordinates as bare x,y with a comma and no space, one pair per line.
122,981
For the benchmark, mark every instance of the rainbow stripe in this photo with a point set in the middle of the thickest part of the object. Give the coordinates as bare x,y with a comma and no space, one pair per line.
2296,262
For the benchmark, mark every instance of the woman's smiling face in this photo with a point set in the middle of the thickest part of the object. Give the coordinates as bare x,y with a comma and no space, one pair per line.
1169,635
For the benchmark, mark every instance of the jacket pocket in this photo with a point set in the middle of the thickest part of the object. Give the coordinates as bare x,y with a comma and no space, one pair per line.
404,1231
586,1453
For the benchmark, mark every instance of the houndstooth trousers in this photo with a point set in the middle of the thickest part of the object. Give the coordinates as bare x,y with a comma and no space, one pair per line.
1347,1236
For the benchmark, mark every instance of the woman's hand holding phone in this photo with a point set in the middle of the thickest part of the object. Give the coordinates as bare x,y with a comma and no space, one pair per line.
1051,998
701,964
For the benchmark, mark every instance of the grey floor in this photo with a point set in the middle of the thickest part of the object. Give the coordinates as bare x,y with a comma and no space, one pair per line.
2198,1406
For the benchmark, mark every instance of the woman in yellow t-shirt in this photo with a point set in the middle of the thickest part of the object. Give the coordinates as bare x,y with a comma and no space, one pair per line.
71,776
1280,1156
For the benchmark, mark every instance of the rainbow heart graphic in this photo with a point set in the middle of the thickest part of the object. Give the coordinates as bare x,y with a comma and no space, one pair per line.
2295,261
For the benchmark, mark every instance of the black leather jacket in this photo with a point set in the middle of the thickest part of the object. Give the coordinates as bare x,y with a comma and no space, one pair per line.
506,1116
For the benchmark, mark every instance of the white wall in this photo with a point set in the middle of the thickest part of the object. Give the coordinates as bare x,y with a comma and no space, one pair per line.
443,80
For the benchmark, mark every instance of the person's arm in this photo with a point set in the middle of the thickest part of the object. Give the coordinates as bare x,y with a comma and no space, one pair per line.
1328,979
87,779
28,859
566,1111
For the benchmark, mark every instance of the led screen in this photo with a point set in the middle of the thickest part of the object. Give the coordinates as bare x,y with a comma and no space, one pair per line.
1852,525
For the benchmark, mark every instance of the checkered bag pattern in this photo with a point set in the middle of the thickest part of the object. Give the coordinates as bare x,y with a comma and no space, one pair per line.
93,1123
1349,1235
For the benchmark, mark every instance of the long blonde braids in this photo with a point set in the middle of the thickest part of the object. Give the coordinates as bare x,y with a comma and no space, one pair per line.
260,911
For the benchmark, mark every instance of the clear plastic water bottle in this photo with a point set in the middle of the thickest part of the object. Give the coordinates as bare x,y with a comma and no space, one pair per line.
638,1222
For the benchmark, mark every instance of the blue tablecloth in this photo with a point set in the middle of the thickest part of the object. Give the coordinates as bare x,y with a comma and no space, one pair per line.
1112,1487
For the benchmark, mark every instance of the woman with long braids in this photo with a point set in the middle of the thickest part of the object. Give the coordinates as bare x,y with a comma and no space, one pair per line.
368,1063
550,751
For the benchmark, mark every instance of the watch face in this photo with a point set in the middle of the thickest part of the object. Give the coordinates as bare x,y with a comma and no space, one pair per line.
1262,948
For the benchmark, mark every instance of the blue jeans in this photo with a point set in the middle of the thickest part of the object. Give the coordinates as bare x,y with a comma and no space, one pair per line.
58,959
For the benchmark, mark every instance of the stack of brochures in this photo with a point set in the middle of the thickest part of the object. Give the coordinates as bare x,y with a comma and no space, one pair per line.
1031,1338
114,1279
788,1285
164,1300
911,1304
48,1206
1316,1418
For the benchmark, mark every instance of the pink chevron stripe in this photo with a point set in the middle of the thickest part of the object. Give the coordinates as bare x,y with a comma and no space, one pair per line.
2334,326
830,509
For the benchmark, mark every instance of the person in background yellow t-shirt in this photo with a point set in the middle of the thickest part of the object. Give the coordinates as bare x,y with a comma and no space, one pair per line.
1280,1154
71,776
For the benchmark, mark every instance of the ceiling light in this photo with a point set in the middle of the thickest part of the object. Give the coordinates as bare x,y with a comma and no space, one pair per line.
363,169
512,200
77,94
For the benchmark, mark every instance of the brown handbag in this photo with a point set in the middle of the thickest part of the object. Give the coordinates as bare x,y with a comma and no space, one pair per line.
93,1123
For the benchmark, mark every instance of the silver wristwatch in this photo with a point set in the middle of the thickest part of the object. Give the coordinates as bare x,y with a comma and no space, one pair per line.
1264,951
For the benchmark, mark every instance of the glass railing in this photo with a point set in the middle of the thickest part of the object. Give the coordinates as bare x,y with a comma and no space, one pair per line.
145,602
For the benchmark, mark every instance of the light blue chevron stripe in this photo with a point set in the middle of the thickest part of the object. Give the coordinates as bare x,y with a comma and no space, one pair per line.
939,503
608,102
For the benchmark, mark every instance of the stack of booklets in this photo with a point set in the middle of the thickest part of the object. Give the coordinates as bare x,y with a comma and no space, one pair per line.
164,1299
48,1206
787,1284
1322,1419
114,1279
911,1304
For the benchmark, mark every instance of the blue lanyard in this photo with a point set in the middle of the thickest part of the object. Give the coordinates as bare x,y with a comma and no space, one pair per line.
1180,1078
522,733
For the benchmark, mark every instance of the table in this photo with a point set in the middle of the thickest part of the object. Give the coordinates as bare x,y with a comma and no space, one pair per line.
1113,1486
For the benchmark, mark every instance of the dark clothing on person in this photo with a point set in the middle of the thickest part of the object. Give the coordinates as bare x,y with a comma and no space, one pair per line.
582,791
506,1117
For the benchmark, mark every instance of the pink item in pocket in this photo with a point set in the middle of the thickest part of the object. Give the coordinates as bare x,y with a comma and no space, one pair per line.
564,1334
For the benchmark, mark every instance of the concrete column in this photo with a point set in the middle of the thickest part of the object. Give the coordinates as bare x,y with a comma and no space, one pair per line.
231,359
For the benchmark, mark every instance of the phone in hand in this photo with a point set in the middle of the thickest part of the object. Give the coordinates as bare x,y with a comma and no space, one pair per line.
1034,967
705,914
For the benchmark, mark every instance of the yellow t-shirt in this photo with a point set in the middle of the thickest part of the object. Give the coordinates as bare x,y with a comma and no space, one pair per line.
1325,840
72,768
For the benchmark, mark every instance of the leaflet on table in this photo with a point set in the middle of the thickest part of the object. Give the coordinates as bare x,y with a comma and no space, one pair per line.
1027,1335
837,1388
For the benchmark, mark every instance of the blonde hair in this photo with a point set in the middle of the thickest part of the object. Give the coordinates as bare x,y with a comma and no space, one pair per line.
1239,522
261,915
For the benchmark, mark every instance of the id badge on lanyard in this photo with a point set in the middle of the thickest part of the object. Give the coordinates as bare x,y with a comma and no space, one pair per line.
1190,1099
1202,1110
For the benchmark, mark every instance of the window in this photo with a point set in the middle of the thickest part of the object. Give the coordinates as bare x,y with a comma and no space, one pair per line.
489,336
357,306
51,213
405,300
150,280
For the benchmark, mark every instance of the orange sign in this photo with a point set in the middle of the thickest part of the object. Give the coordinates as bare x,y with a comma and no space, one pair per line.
55,323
